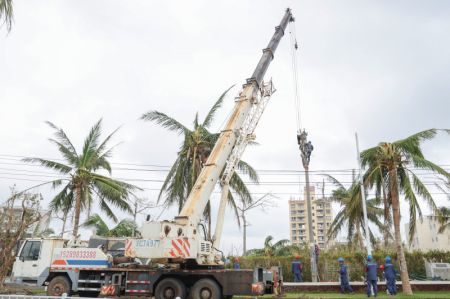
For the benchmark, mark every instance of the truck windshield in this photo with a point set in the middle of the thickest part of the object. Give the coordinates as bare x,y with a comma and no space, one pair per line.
31,250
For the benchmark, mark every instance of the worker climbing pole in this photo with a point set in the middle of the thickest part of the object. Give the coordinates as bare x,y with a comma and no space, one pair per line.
306,149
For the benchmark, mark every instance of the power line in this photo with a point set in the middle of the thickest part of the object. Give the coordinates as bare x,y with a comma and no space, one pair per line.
347,171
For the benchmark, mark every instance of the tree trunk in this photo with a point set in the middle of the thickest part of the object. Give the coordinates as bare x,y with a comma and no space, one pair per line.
386,214
393,185
77,211
64,224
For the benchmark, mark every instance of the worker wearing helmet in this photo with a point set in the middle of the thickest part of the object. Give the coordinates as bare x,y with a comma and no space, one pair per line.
371,276
296,268
345,286
236,264
389,274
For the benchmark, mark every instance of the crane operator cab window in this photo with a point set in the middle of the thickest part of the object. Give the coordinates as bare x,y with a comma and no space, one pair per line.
31,251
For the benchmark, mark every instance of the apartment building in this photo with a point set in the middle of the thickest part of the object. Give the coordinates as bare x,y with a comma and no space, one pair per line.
322,216
427,236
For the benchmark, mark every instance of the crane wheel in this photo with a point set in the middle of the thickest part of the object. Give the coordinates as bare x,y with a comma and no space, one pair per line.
205,289
170,288
58,286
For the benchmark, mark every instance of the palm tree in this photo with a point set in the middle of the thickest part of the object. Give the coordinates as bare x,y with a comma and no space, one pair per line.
270,249
81,176
194,151
351,213
6,14
397,161
125,228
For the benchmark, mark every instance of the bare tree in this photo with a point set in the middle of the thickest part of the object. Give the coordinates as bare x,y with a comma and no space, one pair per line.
263,203
17,216
141,206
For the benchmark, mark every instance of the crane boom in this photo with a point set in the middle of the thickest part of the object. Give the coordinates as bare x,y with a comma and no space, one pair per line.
181,240
210,174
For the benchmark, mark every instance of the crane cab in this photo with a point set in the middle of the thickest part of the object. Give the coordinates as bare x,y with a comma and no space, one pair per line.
33,257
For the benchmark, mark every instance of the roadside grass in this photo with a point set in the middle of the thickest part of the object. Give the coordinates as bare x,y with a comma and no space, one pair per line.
360,295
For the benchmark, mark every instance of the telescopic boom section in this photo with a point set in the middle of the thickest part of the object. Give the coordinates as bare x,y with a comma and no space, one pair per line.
204,186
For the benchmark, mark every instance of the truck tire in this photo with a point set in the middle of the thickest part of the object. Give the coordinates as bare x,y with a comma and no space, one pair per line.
170,288
205,289
58,286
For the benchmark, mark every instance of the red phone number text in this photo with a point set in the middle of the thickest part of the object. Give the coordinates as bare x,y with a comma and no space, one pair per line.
78,254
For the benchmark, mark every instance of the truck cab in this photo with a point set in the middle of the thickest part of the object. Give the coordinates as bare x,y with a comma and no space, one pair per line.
33,257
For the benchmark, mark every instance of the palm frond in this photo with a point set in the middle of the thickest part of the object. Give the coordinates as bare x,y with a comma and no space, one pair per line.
410,197
66,152
96,221
422,190
411,143
169,178
240,188
245,168
89,152
62,138
420,162
6,14
232,203
334,181
62,168
210,116
113,192
165,121
101,148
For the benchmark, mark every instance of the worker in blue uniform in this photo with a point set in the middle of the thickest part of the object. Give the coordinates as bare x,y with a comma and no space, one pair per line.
371,276
236,264
389,274
345,286
296,268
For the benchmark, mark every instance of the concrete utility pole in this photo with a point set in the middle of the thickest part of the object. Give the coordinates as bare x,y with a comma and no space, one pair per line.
363,199
305,150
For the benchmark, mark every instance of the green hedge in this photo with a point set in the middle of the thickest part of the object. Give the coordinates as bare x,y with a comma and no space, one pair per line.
328,264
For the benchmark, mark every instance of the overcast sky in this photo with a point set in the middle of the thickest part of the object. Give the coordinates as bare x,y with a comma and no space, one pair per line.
381,68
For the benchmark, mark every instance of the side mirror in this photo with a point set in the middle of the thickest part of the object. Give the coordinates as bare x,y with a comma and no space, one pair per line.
22,258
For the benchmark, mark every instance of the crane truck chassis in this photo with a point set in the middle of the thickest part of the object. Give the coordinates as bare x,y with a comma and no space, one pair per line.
91,272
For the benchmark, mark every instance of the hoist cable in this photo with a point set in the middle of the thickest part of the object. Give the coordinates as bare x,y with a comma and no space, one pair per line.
295,79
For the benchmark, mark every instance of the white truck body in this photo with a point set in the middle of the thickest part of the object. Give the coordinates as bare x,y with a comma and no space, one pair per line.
33,257
167,239
37,256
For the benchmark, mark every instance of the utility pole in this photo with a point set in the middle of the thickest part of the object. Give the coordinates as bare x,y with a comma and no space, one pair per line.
306,148
363,198
244,235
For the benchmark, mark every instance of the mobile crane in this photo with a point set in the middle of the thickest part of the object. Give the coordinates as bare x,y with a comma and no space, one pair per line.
179,259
